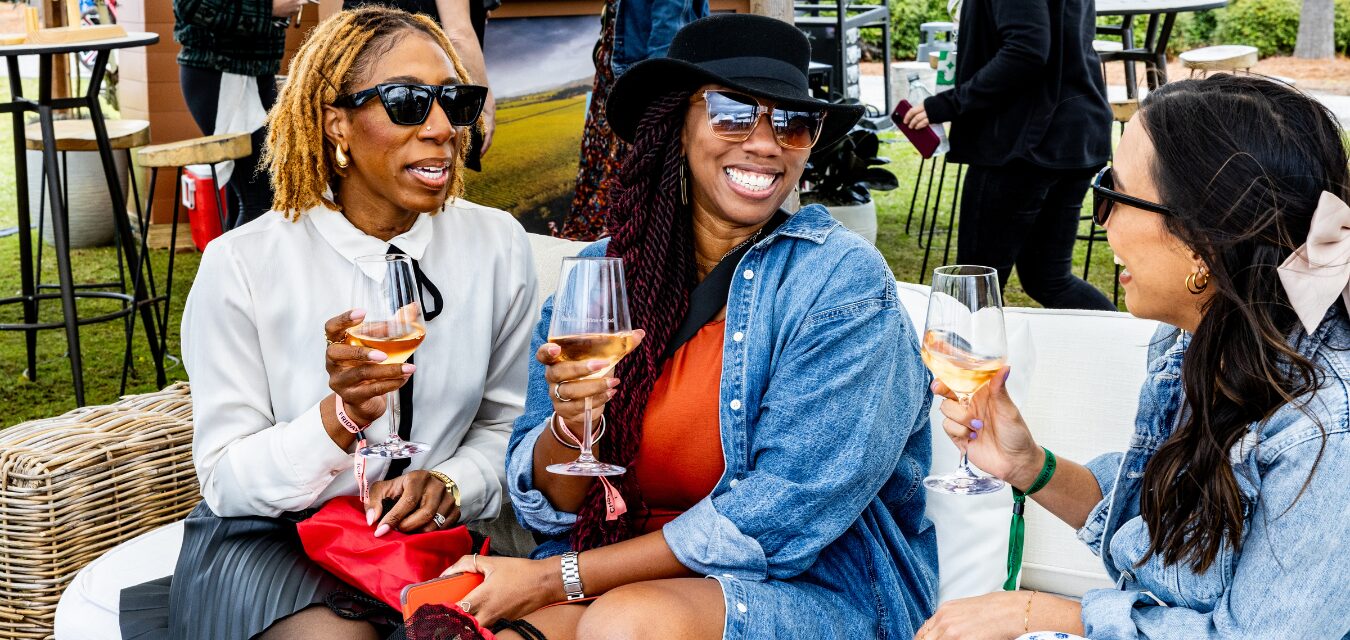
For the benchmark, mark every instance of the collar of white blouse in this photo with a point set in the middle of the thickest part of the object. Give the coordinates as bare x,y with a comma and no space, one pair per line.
352,243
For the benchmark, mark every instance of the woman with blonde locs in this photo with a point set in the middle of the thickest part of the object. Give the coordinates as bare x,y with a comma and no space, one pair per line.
366,146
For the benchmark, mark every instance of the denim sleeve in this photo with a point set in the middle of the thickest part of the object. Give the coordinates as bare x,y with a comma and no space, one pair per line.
667,18
1105,468
1290,579
533,510
830,431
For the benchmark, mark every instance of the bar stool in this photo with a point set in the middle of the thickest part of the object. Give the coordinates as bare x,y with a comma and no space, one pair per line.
78,135
208,150
1227,57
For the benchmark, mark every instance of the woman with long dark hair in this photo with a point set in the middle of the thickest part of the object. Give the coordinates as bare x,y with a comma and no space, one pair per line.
774,418
1228,515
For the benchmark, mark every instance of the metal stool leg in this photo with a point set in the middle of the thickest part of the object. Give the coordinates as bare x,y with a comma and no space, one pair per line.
62,247
914,197
951,218
932,226
927,198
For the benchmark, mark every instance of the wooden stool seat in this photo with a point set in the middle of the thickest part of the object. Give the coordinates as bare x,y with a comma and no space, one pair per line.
1107,46
1123,110
78,135
204,150
1228,57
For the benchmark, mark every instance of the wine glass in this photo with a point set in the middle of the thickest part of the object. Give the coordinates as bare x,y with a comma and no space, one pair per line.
964,345
386,287
590,322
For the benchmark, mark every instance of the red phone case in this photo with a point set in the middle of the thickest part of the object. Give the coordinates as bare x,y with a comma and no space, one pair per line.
925,139
444,590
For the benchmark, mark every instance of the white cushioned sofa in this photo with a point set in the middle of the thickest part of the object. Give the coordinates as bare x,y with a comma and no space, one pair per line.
1076,375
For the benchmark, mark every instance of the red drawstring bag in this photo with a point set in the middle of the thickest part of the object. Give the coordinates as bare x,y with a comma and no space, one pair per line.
340,541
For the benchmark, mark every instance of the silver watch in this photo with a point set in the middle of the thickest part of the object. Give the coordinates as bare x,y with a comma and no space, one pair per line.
571,576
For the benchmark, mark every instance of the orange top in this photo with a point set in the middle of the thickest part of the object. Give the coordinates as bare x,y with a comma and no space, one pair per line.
680,458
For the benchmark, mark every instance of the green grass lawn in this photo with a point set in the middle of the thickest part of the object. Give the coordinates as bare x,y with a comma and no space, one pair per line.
102,344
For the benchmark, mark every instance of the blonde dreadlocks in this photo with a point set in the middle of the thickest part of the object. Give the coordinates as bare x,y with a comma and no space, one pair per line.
341,49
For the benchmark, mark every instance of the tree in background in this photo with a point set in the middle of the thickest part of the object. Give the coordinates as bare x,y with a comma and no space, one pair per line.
1316,30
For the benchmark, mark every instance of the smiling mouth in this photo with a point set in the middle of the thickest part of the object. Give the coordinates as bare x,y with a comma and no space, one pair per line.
432,174
752,181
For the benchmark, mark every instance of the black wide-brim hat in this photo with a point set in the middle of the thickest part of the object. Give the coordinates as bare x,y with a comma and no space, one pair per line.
756,55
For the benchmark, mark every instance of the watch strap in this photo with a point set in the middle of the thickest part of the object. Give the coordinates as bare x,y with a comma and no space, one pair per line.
571,576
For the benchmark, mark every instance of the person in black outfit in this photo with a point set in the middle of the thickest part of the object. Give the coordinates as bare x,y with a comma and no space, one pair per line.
1030,117
456,17
221,37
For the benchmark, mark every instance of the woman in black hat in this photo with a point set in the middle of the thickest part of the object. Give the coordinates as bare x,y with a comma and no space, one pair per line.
774,419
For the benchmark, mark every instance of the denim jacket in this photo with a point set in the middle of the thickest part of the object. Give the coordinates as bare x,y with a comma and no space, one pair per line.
824,428
644,28
1291,577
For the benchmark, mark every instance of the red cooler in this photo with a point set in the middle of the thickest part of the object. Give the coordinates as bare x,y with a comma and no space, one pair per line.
203,216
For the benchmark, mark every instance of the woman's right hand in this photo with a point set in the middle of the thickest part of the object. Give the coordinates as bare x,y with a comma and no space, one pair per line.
355,373
573,389
992,432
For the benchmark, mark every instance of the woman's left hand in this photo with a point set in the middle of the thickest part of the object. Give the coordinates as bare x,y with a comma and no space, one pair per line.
512,587
420,496
994,616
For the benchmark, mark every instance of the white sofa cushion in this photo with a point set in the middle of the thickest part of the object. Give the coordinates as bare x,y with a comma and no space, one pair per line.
88,607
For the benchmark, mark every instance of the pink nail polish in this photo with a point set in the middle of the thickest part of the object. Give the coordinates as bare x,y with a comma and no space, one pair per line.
371,515
613,382
610,393
377,356
409,368
381,530
596,365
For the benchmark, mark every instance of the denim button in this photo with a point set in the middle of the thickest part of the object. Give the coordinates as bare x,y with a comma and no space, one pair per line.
749,274
735,405
734,482
738,336
740,606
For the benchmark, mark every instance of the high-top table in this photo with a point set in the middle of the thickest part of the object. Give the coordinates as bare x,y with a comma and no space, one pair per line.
1162,15
45,105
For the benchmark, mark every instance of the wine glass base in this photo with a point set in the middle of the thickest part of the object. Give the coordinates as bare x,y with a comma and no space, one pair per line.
579,468
393,449
961,484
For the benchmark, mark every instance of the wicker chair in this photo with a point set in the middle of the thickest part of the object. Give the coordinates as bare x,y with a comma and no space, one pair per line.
74,486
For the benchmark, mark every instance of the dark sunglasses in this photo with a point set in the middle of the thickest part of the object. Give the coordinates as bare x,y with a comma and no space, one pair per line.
734,116
410,104
1105,196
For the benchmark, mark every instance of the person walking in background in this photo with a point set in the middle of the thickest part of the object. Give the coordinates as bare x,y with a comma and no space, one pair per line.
630,32
231,53
464,22
1030,117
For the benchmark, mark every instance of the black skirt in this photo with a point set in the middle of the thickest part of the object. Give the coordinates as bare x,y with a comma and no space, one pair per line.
235,578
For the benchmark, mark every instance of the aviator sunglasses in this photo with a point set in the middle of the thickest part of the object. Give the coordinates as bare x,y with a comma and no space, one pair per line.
733,117
409,104
1105,197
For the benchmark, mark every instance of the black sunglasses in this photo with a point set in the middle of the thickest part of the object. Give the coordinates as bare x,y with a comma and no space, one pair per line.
410,104
734,116
1105,196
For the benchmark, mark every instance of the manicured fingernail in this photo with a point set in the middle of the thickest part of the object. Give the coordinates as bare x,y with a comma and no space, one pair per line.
409,368
596,365
933,387
977,424
371,515
357,314
381,530
1007,373
612,382
377,356
554,349
610,393
973,435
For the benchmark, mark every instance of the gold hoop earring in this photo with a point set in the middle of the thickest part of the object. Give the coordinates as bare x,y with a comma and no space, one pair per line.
1197,282
342,160
684,182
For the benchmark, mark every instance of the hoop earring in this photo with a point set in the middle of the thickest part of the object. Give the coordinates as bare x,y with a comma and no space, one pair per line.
1197,282
684,182
342,160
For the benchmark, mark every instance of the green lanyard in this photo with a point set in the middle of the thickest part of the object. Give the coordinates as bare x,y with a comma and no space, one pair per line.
1017,530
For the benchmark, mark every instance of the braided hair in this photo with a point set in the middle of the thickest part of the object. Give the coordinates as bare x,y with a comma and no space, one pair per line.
337,53
652,231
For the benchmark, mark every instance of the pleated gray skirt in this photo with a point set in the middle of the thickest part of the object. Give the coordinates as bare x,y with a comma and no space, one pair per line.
235,578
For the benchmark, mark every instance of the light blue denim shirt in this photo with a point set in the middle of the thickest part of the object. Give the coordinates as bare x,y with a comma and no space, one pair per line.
825,435
1291,578
643,29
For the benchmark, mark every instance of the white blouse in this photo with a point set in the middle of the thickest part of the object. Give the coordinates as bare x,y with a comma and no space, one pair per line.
253,346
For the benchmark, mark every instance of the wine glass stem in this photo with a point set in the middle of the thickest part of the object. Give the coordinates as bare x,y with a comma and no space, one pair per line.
586,433
389,400
964,468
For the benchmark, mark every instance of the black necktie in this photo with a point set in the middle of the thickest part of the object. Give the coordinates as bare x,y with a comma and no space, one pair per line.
405,393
